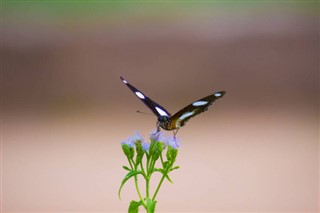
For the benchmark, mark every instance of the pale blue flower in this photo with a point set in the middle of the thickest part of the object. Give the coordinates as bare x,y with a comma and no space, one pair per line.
156,135
173,142
167,140
128,142
133,139
136,137
145,146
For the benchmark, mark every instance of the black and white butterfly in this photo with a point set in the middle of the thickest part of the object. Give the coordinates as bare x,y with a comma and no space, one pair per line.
174,122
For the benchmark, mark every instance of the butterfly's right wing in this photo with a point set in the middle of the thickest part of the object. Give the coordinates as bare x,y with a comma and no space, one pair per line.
152,105
195,108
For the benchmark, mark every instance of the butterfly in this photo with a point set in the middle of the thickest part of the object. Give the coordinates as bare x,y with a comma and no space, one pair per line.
174,122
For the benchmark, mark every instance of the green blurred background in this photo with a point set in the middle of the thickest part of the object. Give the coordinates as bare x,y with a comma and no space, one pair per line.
65,111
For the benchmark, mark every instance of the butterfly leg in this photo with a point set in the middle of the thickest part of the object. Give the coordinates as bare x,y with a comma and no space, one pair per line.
158,127
157,130
175,132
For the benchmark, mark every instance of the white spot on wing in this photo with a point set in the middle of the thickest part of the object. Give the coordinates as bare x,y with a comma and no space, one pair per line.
124,81
218,94
161,112
199,103
140,95
185,115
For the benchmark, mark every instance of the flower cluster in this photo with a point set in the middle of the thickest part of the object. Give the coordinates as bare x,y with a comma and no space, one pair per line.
154,136
167,140
143,158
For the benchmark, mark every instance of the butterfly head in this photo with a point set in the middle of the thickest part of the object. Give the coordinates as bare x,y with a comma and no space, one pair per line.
164,122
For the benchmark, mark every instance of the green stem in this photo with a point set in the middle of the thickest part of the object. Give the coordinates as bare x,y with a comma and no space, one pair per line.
149,169
142,169
130,163
160,183
161,159
153,163
147,187
146,178
147,166
137,187
149,173
136,183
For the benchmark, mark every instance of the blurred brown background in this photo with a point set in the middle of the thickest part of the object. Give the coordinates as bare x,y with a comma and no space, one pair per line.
65,111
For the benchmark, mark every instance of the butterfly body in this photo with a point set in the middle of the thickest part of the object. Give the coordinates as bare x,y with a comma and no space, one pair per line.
174,122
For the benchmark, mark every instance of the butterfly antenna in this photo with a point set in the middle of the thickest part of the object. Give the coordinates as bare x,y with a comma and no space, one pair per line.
145,113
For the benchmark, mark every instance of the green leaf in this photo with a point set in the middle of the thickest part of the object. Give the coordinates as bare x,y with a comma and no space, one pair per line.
157,170
126,168
167,176
151,205
126,178
163,173
176,167
134,206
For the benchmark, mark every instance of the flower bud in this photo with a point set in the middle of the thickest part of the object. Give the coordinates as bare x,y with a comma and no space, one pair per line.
171,153
128,150
140,152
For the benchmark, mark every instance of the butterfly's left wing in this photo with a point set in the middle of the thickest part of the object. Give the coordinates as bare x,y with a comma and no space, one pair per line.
180,118
152,105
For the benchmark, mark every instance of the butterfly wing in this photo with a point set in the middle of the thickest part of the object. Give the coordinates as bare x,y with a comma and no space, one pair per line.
152,105
180,118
